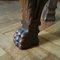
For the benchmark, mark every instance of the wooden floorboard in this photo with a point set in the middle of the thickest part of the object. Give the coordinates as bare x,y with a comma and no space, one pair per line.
4,55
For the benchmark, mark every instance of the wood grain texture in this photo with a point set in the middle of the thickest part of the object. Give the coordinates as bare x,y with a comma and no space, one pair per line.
4,55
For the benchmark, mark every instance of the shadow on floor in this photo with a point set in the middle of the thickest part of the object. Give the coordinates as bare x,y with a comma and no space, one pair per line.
44,41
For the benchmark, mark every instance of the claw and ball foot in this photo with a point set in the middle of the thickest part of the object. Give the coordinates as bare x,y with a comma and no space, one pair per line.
27,35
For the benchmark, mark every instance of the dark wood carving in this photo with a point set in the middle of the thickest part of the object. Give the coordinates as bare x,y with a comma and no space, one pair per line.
49,11
27,35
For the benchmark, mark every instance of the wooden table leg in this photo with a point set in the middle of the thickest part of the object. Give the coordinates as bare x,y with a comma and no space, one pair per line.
49,10
27,35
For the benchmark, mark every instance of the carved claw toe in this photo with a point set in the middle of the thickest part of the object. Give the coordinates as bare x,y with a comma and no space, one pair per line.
18,35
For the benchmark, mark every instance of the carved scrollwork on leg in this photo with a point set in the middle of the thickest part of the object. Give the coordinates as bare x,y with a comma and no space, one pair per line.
48,13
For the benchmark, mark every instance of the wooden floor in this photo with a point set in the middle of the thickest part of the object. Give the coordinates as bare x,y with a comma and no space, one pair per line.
49,47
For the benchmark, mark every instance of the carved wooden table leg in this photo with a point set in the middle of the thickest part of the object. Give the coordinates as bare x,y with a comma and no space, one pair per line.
27,35
49,10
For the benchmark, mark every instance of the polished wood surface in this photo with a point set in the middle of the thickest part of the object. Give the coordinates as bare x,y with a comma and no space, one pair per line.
49,48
